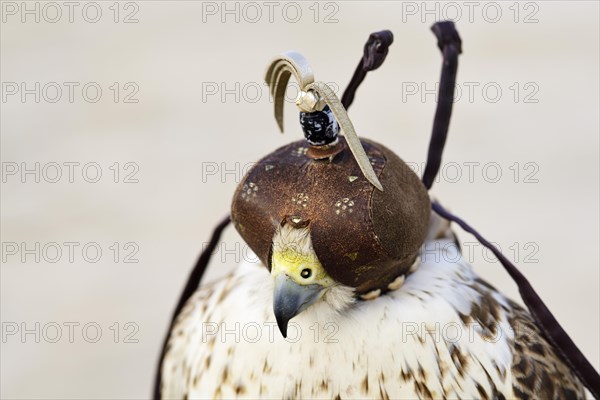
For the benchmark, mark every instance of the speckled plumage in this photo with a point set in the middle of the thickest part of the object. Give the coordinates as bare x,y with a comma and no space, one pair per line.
444,333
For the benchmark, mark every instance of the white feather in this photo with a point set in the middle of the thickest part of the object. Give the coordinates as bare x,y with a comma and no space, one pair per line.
331,352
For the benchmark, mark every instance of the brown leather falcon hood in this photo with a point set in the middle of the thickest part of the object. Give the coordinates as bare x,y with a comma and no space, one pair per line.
363,237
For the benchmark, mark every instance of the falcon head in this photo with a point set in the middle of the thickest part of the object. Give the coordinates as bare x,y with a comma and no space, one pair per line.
299,278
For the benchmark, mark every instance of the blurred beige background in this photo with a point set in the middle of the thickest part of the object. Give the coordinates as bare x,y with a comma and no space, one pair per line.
532,116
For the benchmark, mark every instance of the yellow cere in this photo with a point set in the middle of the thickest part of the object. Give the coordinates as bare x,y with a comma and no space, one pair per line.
292,262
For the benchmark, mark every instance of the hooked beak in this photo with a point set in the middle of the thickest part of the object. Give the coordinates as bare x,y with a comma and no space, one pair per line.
290,299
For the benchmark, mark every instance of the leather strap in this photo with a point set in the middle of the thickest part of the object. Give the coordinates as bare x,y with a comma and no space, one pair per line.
374,53
450,44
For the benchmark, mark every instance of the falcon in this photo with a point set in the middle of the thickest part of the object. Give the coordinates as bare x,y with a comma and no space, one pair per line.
358,289
442,332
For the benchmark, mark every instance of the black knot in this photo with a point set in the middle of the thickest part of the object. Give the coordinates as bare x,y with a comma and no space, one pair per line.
320,127
376,49
447,35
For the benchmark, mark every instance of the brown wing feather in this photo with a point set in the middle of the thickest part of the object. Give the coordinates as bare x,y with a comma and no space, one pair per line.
537,370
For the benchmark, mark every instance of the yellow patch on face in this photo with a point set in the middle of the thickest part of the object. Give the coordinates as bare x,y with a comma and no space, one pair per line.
304,269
